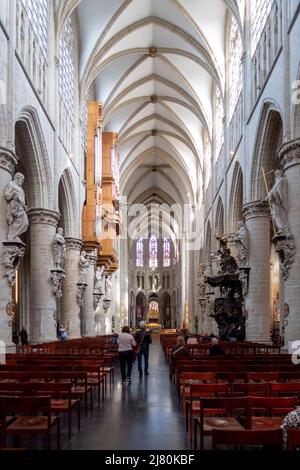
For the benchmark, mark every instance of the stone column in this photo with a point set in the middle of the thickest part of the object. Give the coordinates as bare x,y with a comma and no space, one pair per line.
7,166
88,311
43,223
258,300
290,155
70,309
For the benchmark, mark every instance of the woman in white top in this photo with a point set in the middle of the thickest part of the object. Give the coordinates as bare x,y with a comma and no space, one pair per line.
125,349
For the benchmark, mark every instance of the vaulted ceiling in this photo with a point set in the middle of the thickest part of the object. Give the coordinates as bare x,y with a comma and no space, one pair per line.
154,65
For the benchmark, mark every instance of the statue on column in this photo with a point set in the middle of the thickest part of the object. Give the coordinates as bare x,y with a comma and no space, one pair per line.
278,199
16,210
99,279
241,239
59,249
108,286
83,267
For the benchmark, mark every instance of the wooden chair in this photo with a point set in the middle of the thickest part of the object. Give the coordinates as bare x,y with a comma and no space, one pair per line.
246,437
188,378
262,376
61,400
285,389
27,420
293,438
253,389
271,411
214,407
196,393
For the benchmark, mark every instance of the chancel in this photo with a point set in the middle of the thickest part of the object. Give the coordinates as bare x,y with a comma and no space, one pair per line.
149,194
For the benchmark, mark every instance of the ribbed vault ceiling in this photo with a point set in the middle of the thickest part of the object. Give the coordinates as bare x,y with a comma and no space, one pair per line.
154,65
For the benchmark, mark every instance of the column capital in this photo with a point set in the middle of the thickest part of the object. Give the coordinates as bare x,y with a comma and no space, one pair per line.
74,243
256,209
289,153
43,216
8,160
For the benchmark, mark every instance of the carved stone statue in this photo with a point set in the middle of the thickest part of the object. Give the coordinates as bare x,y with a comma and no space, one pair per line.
99,278
278,199
83,267
59,249
11,258
16,210
108,286
241,239
201,280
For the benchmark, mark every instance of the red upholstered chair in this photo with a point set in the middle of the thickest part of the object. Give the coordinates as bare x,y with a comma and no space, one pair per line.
32,416
247,437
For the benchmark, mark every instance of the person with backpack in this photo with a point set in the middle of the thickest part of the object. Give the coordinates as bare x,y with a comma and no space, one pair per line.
143,340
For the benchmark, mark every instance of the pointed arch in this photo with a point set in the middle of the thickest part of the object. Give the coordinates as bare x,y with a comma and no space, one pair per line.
268,140
68,205
236,198
219,222
33,155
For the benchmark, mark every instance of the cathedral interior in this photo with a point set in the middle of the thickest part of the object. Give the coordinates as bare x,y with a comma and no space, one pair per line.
149,172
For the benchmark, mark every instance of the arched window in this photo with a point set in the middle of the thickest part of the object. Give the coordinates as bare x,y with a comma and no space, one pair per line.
140,252
219,124
143,281
38,11
153,252
66,84
260,10
235,66
166,252
163,282
168,281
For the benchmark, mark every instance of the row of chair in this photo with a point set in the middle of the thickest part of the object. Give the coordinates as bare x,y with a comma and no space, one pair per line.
238,414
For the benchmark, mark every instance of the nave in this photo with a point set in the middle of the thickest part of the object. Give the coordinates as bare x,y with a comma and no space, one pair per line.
142,416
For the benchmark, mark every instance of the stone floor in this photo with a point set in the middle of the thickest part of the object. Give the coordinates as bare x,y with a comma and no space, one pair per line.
143,415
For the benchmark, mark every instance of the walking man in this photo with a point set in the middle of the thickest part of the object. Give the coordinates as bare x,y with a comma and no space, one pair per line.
143,340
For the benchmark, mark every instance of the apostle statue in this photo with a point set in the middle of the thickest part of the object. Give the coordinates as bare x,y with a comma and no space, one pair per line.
59,249
278,199
83,267
241,239
99,279
16,210
108,286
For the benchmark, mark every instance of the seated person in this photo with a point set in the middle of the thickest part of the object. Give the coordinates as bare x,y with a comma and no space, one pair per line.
179,350
215,349
192,340
292,420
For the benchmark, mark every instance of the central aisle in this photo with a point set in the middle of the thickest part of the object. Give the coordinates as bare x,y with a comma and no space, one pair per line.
143,415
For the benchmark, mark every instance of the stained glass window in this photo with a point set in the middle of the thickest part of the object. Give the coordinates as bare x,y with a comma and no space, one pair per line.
166,252
260,10
153,252
140,252
38,11
235,66
219,124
